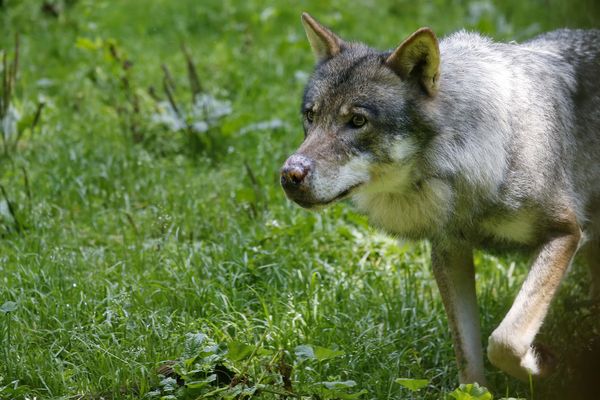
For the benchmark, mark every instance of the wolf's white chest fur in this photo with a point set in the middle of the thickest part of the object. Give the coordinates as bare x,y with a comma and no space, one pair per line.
393,205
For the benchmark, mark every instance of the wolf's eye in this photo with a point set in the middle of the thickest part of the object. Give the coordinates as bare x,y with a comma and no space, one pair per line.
310,115
358,120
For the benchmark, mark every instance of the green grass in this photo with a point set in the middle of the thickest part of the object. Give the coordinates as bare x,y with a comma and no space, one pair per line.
131,235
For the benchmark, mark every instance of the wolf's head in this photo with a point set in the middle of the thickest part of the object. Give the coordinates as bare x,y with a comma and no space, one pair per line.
361,113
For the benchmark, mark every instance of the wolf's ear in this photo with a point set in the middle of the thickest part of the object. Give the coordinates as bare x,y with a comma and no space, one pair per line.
325,44
418,57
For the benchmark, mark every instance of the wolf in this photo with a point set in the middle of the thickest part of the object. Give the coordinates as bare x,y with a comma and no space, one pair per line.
471,144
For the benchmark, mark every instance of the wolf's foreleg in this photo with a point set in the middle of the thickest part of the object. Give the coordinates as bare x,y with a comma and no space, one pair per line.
510,346
455,276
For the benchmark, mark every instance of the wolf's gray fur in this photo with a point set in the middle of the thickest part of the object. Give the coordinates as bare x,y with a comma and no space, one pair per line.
497,146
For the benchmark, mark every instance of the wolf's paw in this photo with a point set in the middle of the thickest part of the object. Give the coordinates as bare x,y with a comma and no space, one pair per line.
520,360
539,361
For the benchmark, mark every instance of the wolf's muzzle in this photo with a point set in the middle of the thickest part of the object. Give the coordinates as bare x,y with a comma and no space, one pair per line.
294,176
295,169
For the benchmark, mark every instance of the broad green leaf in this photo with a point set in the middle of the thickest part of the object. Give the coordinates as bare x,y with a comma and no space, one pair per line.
338,394
338,390
471,391
459,395
8,307
202,383
168,384
238,392
195,339
338,384
237,351
309,352
413,384
152,394
305,352
198,345
321,353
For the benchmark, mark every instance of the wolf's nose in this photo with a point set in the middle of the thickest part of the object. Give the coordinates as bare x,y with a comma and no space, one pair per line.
293,175
294,171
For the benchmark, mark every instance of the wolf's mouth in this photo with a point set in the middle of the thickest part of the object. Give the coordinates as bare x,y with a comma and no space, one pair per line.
319,204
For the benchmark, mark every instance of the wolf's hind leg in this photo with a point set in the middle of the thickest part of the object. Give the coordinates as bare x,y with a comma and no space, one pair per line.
510,346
